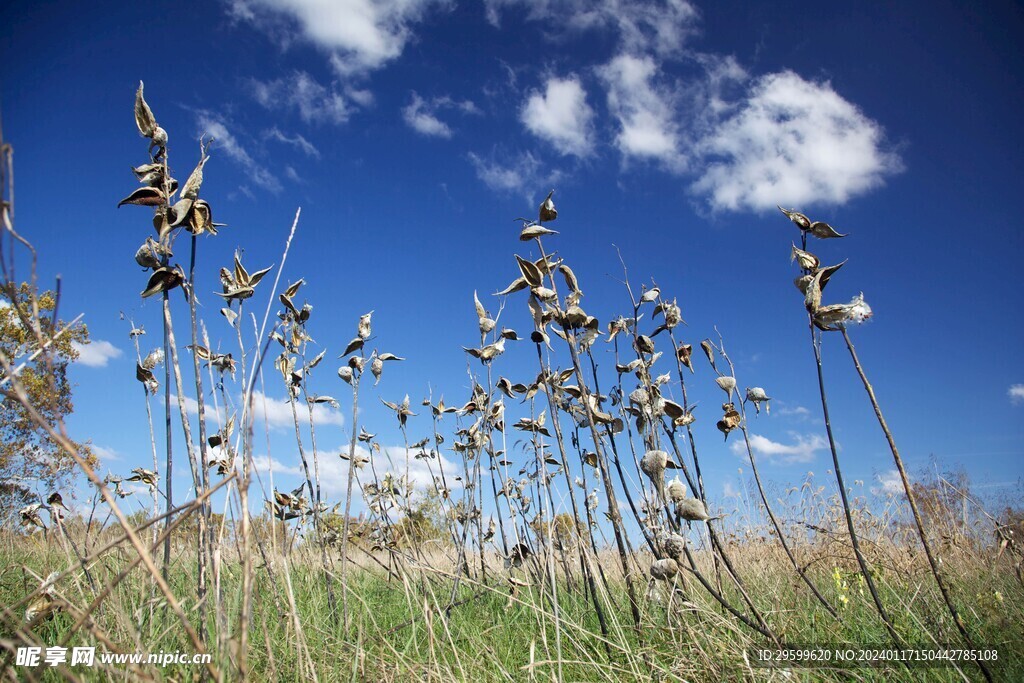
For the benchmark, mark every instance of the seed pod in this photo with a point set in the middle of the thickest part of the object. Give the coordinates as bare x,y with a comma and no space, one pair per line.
547,211
683,354
757,396
144,196
150,253
144,118
709,351
798,218
664,570
692,510
531,273
534,231
806,259
730,421
824,231
643,344
857,311
674,545
676,490
162,280
364,326
727,384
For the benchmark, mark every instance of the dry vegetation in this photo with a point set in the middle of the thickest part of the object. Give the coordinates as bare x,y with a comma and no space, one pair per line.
496,571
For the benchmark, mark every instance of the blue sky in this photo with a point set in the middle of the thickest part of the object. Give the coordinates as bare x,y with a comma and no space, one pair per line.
412,132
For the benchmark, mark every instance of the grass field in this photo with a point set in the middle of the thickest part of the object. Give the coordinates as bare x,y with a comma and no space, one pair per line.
400,629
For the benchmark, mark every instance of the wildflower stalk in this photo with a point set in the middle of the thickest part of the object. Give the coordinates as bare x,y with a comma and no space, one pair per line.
613,508
190,450
844,498
356,381
908,489
205,540
578,524
854,541
801,571
149,421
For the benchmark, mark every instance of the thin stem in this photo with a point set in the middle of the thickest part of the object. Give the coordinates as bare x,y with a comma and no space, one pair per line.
854,541
908,489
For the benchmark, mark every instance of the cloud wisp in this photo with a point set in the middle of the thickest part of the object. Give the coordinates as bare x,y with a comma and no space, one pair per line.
97,353
423,115
804,448
216,127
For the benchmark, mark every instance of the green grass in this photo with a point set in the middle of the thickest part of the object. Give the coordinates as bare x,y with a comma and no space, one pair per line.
399,631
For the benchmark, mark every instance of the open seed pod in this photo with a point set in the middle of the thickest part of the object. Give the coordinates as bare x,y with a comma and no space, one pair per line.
806,259
547,211
730,421
831,316
674,545
533,231
664,569
692,510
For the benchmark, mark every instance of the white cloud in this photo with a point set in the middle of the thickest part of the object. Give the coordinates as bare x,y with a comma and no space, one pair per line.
216,128
191,405
278,412
104,454
792,142
97,353
524,174
1016,393
644,110
661,26
314,102
561,116
423,119
889,484
334,469
264,464
359,35
803,450
422,115
799,412
297,141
